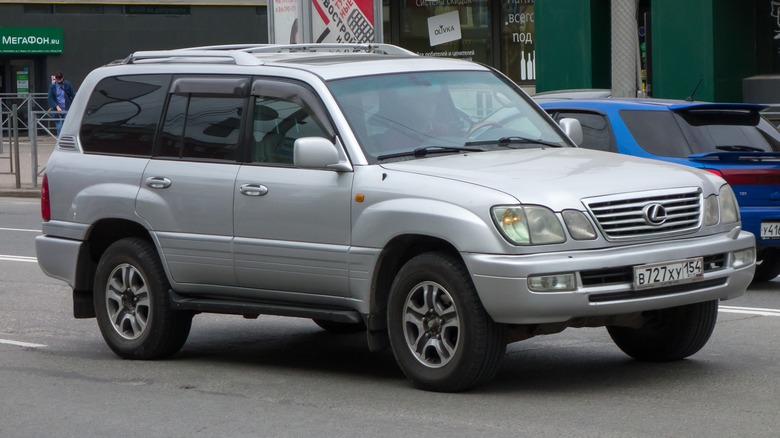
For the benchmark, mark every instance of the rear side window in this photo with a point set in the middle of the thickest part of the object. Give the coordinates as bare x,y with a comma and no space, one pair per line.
657,132
204,119
595,130
122,115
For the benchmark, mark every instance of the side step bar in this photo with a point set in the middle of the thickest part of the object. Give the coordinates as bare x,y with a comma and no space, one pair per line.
232,307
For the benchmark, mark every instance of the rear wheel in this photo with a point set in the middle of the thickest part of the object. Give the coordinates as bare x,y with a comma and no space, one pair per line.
441,336
132,306
767,265
669,334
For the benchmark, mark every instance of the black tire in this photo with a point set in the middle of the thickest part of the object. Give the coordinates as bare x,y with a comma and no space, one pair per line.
670,334
767,265
441,336
132,304
340,327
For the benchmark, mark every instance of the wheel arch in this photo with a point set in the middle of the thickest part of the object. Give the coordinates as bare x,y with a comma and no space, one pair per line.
395,254
99,237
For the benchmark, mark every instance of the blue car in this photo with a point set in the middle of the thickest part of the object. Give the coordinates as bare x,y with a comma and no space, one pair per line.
731,140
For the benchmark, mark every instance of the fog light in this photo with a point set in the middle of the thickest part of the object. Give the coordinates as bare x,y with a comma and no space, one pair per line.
552,283
743,258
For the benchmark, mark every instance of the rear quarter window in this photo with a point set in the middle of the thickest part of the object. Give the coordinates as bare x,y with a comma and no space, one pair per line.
122,115
657,132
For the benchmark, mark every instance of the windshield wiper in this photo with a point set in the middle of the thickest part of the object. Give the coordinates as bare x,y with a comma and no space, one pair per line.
425,151
506,141
739,148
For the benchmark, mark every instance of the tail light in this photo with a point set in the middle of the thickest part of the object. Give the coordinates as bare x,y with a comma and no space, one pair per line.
45,202
748,177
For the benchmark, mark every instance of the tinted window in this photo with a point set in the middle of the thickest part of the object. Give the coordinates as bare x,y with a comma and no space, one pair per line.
595,130
657,132
202,127
123,114
710,131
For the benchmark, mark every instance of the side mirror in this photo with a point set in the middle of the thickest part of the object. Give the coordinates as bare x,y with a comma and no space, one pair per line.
317,153
573,129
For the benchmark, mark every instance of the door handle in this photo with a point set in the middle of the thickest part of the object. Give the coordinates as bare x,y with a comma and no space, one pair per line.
158,182
253,189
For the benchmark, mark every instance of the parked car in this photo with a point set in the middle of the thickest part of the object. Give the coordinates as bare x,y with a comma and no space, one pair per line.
730,140
370,189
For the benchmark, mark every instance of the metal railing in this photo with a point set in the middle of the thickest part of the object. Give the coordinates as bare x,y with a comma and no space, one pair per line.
27,113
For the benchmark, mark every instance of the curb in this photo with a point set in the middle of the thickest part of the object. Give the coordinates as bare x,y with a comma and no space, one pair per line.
20,193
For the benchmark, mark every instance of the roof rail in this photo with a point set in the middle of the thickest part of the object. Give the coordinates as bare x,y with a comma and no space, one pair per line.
383,49
238,57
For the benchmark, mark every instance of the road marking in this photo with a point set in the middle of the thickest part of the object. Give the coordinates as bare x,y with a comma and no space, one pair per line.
11,258
21,229
750,310
21,344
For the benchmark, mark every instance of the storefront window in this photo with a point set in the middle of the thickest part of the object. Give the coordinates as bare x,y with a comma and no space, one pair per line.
518,54
768,36
447,28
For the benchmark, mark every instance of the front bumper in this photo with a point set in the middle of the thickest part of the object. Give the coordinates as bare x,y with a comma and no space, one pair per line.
501,280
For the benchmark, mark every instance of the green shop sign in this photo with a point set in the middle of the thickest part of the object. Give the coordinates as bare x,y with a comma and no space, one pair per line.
30,39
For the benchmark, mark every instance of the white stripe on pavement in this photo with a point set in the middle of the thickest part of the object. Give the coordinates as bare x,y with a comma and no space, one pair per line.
750,310
20,344
12,258
20,229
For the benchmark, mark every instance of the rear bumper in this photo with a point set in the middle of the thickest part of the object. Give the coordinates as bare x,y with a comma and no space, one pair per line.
58,257
751,221
502,281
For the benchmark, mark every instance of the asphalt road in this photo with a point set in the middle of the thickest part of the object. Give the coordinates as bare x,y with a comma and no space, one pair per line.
278,376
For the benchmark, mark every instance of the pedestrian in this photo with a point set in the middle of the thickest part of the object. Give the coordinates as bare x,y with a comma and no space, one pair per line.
61,94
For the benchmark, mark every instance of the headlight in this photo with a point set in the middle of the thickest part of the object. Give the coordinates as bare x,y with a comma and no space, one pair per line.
711,215
528,225
729,210
578,225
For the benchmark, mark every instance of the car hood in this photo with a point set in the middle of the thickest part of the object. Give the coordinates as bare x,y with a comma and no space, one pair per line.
558,177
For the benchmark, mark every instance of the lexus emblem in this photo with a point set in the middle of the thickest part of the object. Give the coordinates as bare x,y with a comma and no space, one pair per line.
655,214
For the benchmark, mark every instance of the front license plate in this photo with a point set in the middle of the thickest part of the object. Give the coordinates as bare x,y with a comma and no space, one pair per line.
770,230
667,273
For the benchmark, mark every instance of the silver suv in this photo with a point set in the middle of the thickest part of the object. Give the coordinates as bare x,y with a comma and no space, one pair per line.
427,202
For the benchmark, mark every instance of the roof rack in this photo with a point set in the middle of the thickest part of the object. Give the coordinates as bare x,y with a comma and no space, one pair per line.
383,49
238,57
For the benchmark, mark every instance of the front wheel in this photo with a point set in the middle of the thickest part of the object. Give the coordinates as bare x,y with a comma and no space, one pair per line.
132,306
441,336
669,334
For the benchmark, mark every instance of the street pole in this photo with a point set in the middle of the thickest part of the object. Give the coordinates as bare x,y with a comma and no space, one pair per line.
625,48
15,148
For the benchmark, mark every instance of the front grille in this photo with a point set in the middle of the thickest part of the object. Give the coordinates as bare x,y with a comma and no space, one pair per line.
625,217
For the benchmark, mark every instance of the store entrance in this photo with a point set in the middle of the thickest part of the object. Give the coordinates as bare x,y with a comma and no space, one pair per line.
21,76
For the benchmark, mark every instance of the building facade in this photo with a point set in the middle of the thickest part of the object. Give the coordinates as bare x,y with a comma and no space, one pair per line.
711,46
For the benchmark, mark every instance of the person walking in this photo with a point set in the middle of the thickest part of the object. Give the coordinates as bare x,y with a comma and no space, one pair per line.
61,94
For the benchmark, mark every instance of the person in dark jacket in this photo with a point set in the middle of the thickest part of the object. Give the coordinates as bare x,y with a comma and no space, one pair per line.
61,94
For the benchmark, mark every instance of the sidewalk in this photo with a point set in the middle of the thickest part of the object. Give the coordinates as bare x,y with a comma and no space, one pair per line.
27,188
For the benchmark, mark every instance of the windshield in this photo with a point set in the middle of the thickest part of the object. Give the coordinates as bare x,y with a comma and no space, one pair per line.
399,115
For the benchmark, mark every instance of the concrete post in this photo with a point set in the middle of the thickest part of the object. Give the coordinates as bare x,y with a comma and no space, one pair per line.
625,48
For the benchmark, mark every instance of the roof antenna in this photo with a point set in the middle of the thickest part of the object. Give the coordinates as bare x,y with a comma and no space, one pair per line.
690,98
